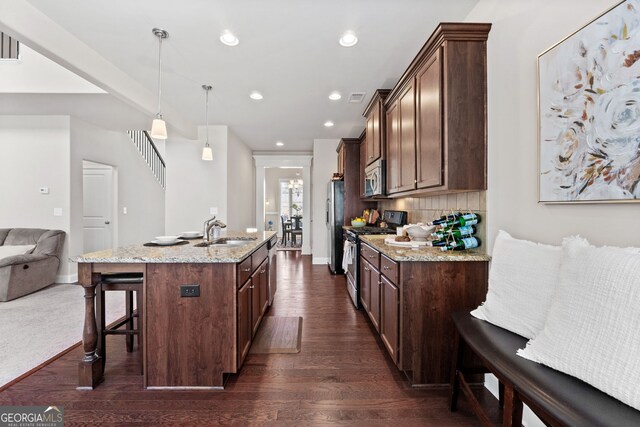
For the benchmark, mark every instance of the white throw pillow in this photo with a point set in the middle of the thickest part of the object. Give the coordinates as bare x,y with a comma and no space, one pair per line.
522,281
592,330
11,250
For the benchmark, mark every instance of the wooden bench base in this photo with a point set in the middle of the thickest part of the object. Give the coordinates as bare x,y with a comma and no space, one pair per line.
556,398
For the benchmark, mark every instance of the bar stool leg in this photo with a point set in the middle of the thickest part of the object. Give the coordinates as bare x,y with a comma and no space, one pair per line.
129,308
100,325
139,303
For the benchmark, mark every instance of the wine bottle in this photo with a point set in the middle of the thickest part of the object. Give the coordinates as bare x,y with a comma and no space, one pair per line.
462,244
455,232
461,221
444,219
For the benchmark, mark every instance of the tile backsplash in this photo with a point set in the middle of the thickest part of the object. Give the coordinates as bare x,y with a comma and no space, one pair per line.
427,208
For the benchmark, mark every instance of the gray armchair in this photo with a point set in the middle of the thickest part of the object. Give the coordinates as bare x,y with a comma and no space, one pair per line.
23,274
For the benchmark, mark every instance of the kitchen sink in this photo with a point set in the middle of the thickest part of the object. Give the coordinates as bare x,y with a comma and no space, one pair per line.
226,242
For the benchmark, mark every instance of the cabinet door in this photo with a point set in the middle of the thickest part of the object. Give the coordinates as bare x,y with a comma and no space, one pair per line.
263,271
363,162
370,139
365,284
376,148
245,327
407,137
256,304
390,321
341,161
393,149
374,304
429,168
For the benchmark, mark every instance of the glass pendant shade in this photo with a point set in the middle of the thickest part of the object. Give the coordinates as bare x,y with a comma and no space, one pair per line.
207,153
158,129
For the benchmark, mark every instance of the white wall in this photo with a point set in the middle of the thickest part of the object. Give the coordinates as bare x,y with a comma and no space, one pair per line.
26,76
137,189
241,211
324,165
522,30
195,185
34,153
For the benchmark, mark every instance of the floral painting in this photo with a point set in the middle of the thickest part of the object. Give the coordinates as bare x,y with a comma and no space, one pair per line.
589,114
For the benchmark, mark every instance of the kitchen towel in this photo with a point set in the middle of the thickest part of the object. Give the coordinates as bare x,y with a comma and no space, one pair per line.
347,254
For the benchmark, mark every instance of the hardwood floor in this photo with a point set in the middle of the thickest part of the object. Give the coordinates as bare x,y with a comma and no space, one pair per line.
342,375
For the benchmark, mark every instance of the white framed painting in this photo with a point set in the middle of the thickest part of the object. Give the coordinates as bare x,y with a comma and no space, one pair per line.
589,111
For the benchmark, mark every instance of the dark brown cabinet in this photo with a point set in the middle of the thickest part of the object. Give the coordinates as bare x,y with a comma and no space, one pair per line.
410,305
429,161
253,298
437,140
363,161
353,205
365,284
390,317
375,115
245,325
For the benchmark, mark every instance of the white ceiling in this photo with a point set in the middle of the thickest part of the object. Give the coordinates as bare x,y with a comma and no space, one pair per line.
288,51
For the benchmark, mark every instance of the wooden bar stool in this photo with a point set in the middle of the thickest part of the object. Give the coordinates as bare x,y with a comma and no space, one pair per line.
128,283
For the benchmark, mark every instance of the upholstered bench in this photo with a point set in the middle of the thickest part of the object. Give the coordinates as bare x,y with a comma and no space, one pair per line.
556,398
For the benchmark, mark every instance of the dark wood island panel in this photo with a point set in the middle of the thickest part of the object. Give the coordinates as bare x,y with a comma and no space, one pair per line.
191,342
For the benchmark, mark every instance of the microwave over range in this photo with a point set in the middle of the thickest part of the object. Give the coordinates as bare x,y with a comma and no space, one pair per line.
374,179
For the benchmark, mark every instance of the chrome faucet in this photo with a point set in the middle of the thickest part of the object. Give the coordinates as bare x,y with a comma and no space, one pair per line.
214,224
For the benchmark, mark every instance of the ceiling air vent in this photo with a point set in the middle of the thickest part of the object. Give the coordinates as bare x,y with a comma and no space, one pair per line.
356,97
9,48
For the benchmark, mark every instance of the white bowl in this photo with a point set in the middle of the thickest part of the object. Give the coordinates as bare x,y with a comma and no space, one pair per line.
191,234
167,238
419,232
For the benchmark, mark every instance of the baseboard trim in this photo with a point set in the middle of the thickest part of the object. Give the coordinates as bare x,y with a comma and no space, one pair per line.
67,278
319,260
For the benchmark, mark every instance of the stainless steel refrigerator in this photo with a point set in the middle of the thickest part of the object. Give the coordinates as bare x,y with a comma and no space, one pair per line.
335,221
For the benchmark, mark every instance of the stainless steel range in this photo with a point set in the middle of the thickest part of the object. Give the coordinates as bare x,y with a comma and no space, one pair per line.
394,219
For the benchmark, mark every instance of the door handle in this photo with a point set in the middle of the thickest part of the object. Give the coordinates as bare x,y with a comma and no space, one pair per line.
107,222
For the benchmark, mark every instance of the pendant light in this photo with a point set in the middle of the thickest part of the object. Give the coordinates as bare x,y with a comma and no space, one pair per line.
158,127
207,153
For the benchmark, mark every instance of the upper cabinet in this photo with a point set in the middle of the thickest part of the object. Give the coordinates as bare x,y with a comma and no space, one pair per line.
374,114
436,116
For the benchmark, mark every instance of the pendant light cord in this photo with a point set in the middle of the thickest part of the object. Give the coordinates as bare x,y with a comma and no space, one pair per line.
206,115
159,76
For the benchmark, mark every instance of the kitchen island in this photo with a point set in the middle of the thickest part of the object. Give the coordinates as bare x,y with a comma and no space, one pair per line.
189,341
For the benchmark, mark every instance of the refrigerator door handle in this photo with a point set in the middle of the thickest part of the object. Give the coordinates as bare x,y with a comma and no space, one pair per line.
327,210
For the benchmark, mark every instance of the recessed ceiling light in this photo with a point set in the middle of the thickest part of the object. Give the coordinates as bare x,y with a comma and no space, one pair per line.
328,124
348,39
255,95
334,96
279,143
229,39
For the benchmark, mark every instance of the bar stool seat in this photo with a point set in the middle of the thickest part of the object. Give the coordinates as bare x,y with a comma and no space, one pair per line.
128,283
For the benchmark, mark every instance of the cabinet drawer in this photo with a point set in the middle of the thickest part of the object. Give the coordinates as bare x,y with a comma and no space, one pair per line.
259,255
244,271
370,255
389,268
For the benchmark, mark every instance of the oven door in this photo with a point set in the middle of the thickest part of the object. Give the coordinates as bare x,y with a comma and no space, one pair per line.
352,271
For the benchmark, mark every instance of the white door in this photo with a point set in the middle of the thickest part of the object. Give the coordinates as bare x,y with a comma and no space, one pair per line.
97,204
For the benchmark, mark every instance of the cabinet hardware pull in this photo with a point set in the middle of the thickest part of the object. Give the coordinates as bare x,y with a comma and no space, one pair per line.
262,271
366,269
385,267
246,270
371,256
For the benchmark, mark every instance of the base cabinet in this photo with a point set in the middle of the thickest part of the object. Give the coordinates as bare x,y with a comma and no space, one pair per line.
252,303
410,304
390,309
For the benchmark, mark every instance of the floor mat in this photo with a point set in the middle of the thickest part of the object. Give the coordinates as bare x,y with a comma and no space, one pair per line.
278,335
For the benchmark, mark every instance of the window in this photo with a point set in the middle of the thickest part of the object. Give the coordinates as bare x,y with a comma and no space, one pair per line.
290,195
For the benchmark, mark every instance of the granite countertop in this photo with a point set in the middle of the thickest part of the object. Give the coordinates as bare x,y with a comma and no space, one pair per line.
423,253
182,253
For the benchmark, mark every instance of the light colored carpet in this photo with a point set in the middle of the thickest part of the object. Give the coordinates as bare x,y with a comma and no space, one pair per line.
278,334
38,326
